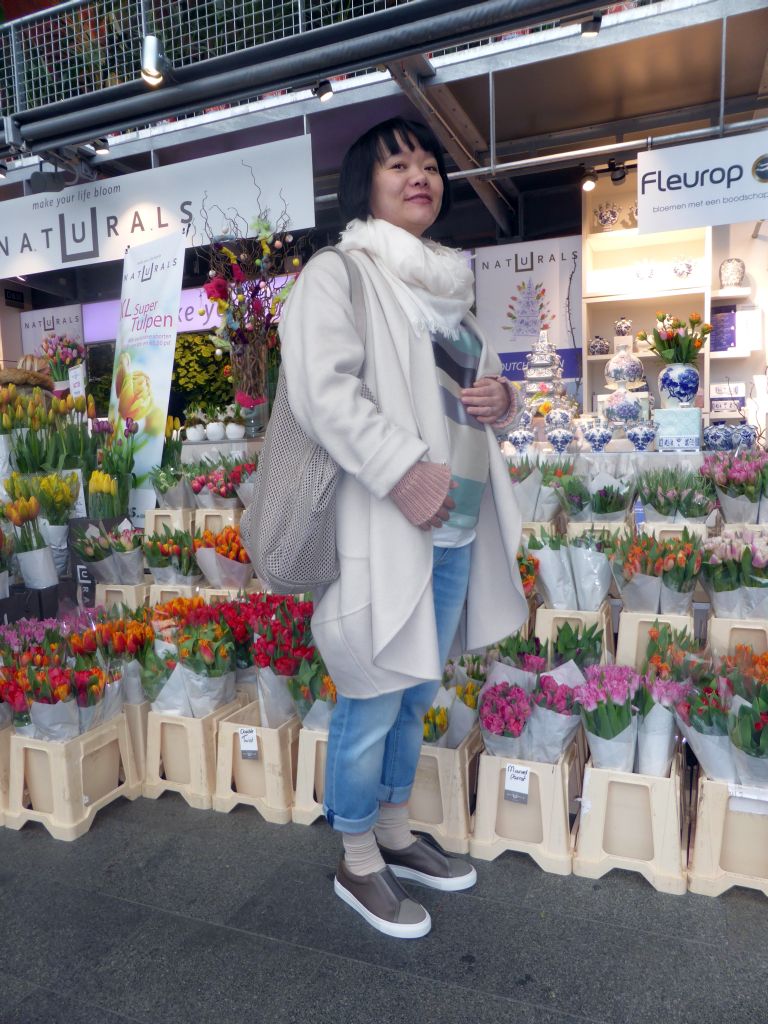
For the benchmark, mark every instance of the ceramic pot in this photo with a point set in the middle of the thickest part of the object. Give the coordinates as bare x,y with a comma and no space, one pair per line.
597,437
521,439
623,407
623,327
598,346
744,436
678,385
195,432
717,437
525,419
623,370
558,417
235,431
560,438
215,432
641,436
732,272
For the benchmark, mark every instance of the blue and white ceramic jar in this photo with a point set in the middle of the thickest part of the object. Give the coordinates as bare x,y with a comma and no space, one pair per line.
717,437
641,436
598,346
623,327
597,437
623,407
521,439
525,419
678,385
560,438
743,435
558,416
624,370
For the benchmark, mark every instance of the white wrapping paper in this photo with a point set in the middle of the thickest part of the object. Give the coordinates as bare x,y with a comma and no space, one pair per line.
6,467
527,495
247,682
675,603
549,733
713,752
208,693
617,754
737,510
655,742
508,746
276,703
180,495
641,594
223,572
762,513
173,699
38,569
57,722
168,575
56,538
501,672
91,716
112,701
318,718
547,505
130,681
4,578
104,571
750,771
554,581
247,490
591,576
129,566
652,516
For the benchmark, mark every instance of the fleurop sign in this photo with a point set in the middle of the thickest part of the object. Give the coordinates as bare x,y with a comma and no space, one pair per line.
101,220
724,181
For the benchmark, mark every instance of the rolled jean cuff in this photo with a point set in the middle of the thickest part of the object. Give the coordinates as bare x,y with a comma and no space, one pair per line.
394,794
352,825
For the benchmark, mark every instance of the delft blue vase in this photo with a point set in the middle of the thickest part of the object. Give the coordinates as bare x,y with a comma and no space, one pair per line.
717,437
558,417
678,385
743,435
560,438
641,436
521,439
597,437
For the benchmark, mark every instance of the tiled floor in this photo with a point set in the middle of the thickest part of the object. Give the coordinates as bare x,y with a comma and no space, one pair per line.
167,915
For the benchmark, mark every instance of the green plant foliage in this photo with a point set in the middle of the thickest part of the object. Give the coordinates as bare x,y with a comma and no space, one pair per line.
197,374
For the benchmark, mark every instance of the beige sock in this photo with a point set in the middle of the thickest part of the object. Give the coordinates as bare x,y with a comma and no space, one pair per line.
392,830
361,853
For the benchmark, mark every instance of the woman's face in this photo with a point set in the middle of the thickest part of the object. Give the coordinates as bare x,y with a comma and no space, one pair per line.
407,190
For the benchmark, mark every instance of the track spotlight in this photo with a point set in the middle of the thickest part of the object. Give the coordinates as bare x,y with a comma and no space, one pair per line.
588,181
101,146
3,170
153,62
323,90
618,172
590,28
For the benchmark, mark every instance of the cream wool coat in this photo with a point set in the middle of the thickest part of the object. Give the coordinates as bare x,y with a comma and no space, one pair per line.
375,624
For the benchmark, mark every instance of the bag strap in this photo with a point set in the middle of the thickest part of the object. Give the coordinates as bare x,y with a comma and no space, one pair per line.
356,293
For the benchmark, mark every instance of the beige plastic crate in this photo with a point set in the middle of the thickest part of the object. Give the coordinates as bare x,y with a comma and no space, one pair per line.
215,519
549,620
137,717
445,784
576,529
729,842
64,785
724,635
181,755
674,531
541,827
310,777
159,593
5,769
266,782
156,519
212,594
633,822
632,641
116,594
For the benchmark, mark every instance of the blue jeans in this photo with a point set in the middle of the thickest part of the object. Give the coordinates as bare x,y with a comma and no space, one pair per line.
374,745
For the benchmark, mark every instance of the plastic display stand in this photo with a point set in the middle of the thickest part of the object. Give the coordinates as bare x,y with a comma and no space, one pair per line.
443,792
632,640
64,785
264,782
215,519
181,755
156,519
549,620
633,822
310,777
729,839
539,827
159,593
213,594
576,529
137,716
674,531
5,769
113,595
724,635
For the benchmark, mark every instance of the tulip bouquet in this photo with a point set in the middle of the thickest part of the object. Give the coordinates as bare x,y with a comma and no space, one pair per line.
171,556
206,668
77,446
62,353
675,495
172,487
748,716
243,478
283,642
6,555
526,482
553,472
57,496
504,712
554,584
435,725
605,700
682,559
127,554
573,573
529,567
313,693
554,714
702,717
676,341
456,700
42,699
738,478
243,619
574,497
583,645
735,573
104,497
212,483
94,548
33,439
223,558
34,555
638,564
518,660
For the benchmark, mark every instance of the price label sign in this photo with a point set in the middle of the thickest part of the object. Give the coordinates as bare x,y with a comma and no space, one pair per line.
249,742
516,783
77,381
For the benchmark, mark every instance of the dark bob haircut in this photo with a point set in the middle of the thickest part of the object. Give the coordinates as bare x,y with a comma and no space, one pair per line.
379,142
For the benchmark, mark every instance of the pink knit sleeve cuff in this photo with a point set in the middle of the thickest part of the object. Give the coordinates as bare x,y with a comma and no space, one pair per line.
421,491
515,405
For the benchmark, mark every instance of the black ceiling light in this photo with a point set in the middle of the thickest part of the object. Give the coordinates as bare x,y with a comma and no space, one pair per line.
323,90
618,172
589,181
590,28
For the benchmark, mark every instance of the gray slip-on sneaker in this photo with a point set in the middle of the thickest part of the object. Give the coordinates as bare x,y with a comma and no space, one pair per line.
427,864
382,902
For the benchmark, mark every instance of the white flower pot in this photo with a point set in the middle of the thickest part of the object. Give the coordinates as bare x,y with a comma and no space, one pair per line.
235,431
196,432
215,432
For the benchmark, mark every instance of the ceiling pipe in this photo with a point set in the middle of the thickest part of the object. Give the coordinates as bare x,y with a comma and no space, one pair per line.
342,49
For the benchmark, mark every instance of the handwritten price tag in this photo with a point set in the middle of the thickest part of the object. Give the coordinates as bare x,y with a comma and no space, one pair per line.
516,783
77,381
249,742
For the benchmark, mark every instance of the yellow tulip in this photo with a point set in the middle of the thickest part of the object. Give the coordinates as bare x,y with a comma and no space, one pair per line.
70,403
80,404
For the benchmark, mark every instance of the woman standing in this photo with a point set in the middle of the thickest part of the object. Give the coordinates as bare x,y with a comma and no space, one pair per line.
427,525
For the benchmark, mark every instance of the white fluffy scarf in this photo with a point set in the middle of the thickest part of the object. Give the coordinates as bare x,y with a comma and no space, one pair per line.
433,284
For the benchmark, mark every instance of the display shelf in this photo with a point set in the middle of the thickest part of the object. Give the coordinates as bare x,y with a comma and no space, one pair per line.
643,297
732,293
730,354
630,238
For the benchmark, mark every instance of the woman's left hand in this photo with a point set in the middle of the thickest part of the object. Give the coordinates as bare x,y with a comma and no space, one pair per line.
487,400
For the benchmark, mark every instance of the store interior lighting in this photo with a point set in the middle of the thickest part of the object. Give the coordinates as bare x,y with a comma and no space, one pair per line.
618,172
101,146
3,170
323,90
153,62
589,181
590,28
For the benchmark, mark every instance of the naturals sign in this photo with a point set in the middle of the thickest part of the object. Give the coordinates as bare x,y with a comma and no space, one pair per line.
720,182
36,323
99,221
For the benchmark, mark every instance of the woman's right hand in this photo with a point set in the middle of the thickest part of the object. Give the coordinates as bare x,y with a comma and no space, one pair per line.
423,494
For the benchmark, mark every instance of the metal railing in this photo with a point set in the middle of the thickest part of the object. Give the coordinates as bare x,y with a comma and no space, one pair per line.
79,48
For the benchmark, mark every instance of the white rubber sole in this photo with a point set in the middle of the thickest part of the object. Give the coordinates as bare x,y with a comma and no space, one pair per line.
433,882
396,931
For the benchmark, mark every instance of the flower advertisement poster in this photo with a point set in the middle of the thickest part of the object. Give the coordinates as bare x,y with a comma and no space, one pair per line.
146,340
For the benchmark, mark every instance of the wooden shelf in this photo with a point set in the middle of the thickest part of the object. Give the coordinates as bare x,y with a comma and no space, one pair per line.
635,298
732,293
630,238
729,354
